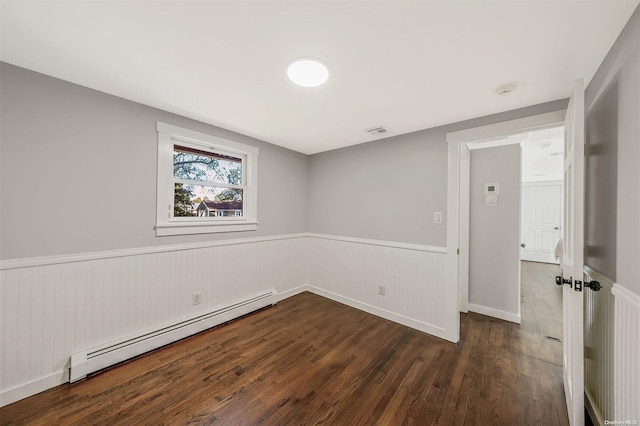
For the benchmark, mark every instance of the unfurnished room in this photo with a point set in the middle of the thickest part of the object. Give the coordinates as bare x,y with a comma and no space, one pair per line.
319,212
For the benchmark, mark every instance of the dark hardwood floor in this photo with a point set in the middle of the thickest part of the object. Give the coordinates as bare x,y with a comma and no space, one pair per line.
310,360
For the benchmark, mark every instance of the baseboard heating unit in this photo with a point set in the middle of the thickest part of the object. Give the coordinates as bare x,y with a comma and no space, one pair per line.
95,359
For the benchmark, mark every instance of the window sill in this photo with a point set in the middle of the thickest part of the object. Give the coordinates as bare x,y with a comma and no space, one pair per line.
187,228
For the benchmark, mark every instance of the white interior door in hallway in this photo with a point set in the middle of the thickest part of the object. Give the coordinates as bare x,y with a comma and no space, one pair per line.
541,220
573,258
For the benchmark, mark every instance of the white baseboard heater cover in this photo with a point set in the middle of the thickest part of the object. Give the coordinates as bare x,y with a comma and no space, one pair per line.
92,360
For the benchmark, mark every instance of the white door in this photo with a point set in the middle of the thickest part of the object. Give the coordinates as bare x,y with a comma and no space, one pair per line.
541,207
572,263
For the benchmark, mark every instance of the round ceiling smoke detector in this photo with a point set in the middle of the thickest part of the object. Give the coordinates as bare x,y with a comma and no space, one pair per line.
307,72
506,89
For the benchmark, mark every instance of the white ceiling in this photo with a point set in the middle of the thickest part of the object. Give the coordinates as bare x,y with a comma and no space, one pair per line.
542,152
403,65
543,155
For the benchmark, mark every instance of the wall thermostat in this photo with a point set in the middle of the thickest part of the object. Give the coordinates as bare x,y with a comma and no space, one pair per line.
491,188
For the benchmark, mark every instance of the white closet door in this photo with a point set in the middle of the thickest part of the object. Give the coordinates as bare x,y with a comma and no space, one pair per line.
541,220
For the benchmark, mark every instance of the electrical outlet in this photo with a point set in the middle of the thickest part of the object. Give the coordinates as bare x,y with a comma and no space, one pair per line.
381,290
437,217
195,298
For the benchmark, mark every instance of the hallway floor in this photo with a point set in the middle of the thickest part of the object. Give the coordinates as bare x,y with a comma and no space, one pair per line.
541,307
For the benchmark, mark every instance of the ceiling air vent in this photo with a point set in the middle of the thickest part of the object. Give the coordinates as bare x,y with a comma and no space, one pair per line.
376,131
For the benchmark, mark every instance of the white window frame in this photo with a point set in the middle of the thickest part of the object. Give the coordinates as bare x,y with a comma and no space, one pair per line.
170,135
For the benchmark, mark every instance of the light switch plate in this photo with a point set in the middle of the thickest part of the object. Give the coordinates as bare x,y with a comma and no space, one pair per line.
491,200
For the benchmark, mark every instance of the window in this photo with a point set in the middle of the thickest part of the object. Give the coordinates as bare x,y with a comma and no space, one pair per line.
205,184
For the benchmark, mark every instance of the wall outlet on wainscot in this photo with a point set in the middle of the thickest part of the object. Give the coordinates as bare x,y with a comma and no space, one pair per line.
195,298
381,290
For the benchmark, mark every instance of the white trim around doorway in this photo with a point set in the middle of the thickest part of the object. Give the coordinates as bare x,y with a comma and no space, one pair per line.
457,235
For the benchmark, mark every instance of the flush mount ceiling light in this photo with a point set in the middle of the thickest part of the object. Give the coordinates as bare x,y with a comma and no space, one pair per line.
307,72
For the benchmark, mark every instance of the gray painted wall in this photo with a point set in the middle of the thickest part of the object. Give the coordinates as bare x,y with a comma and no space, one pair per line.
494,232
386,190
389,189
78,171
78,174
612,224
601,165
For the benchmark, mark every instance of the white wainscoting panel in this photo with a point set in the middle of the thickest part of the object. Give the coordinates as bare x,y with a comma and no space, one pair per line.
598,354
349,270
51,308
626,343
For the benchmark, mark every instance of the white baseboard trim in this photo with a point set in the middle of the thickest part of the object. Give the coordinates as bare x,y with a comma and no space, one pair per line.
25,390
592,408
374,310
507,316
87,361
292,292
539,259
81,366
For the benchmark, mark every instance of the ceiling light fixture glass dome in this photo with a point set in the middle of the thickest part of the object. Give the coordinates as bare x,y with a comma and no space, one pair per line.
307,72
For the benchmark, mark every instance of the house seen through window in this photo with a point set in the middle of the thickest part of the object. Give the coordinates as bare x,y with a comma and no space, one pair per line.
205,183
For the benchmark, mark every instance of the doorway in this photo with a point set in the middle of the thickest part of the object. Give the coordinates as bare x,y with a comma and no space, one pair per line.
493,202
541,223
572,260
542,185
510,211
457,289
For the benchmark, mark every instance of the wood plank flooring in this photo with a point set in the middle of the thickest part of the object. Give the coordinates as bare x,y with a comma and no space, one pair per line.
309,360
542,299
541,308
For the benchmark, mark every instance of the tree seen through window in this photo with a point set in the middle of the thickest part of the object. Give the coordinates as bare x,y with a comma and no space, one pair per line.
205,176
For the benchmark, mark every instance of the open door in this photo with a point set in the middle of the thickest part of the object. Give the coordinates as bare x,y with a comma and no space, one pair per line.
572,259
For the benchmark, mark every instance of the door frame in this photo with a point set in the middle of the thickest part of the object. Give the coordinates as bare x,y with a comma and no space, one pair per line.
457,268
464,255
